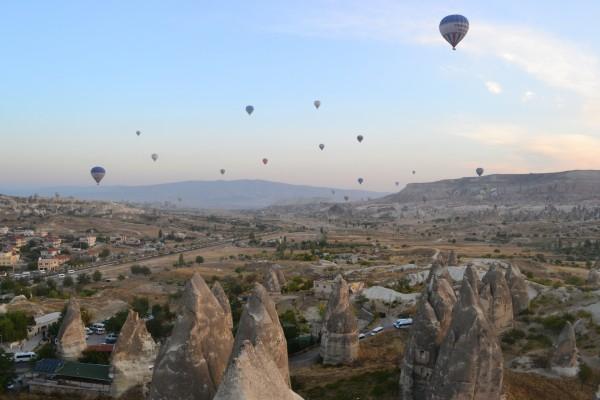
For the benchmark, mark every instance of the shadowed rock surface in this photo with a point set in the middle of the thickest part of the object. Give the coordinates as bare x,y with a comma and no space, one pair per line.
469,363
593,278
339,338
222,298
432,320
564,359
252,375
452,259
259,325
496,299
518,290
132,357
71,336
473,278
191,363
274,279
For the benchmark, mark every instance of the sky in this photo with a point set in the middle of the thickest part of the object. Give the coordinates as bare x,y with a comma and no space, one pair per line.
521,93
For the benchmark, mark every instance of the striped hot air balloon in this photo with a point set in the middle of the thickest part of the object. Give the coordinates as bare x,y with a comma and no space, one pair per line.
454,28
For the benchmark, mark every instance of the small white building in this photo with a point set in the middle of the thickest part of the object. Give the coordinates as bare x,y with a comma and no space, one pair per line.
42,324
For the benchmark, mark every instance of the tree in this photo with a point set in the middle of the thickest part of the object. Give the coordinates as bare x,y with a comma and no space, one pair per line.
7,369
83,279
584,374
97,276
140,305
68,281
199,259
116,322
160,234
104,253
121,277
181,261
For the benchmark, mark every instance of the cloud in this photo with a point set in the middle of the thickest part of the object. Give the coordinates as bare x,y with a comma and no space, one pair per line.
527,96
493,87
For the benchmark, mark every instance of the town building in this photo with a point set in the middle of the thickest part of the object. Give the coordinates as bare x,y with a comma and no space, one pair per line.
70,379
42,324
9,258
89,240
4,230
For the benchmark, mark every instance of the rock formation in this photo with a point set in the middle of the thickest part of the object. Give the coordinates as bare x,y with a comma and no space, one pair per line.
473,278
191,363
564,359
339,337
469,363
496,299
440,270
71,336
259,325
518,290
132,357
452,259
593,278
252,375
430,324
222,298
275,279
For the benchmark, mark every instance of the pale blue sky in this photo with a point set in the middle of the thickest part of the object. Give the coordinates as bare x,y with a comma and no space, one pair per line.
78,78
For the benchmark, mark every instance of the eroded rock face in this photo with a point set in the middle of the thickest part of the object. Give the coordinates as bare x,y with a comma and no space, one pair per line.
259,325
132,357
518,290
469,363
71,336
191,363
593,278
564,359
252,375
440,270
275,279
473,278
430,324
339,337
223,300
496,299
452,259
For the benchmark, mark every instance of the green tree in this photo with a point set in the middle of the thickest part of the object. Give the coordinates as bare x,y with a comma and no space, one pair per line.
68,281
104,253
83,279
181,261
584,374
140,305
97,276
160,234
116,322
13,326
7,369
199,259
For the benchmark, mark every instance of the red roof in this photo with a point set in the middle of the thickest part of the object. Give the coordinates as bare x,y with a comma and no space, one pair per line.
102,348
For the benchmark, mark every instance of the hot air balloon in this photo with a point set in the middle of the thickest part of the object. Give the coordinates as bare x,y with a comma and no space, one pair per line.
333,192
397,183
138,133
321,146
454,28
179,199
317,104
98,173
346,198
154,157
265,161
249,109
222,171
479,171
360,180
359,138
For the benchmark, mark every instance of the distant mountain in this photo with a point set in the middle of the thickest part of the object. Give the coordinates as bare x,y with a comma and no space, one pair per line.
556,187
237,194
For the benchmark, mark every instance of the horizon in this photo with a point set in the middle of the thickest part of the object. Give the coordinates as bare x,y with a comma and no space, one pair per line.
518,96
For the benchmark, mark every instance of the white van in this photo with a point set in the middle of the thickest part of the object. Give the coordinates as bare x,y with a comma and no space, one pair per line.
24,356
99,328
71,271
26,273
376,330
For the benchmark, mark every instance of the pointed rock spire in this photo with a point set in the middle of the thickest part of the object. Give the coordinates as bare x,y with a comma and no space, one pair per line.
259,325
469,363
473,278
252,375
564,359
132,357
518,290
71,337
191,363
222,298
496,299
339,338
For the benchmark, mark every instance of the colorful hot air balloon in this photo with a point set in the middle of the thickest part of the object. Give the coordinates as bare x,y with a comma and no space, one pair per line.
346,198
360,180
249,109
479,171
397,183
414,172
98,173
265,161
138,133
321,146
317,104
222,171
454,28
359,138
154,157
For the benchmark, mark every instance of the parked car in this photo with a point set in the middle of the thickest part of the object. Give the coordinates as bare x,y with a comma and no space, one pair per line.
376,330
24,356
361,336
71,271
61,275
111,338
403,323
99,328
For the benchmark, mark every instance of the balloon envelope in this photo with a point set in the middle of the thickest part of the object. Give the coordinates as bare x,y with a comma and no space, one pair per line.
346,198
98,173
154,157
138,133
414,172
360,180
454,28
479,171
249,109
359,138
265,161
332,191
317,104
222,171
321,146
397,183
